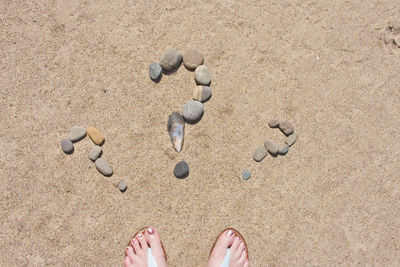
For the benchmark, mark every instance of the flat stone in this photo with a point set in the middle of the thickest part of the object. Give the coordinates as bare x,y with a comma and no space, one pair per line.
202,75
291,139
246,175
192,59
77,133
67,146
104,167
201,93
260,153
286,127
171,60
272,147
193,111
96,136
155,71
95,152
181,170
122,186
283,150
273,123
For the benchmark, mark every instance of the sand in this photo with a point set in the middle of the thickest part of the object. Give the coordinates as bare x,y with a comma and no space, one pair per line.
330,68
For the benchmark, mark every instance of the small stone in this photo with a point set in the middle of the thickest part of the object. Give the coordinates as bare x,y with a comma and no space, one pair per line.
171,60
77,133
272,147
96,136
95,152
155,71
201,93
260,153
273,123
286,127
122,186
192,59
104,167
176,130
202,75
291,139
193,111
283,150
246,175
67,146
181,170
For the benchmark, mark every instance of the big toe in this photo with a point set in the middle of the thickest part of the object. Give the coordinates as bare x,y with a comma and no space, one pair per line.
154,241
224,241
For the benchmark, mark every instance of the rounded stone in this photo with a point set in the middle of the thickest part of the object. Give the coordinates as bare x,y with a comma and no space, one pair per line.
67,146
260,153
181,170
96,136
104,167
286,127
192,59
246,175
283,150
202,75
201,93
291,139
77,133
272,147
171,60
273,123
155,71
193,111
122,186
95,153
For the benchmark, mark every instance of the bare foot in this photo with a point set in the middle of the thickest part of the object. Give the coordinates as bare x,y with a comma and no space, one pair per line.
228,239
136,252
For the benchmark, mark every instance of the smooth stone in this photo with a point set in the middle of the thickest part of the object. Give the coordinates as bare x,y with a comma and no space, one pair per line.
155,71
95,152
291,139
202,75
77,133
193,111
273,123
176,130
67,146
192,59
272,147
283,150
96,136
201,93
171,60
181,170
260,153
104,167
246,175
122,186
286,127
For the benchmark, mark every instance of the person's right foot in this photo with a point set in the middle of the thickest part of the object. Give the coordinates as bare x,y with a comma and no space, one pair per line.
228,239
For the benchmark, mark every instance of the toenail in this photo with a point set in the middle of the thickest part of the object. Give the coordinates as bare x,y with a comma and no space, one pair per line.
230,232
127,248
150,230
139,235
237,238
134,240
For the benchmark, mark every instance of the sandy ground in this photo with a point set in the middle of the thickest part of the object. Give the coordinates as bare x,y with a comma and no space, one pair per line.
329,67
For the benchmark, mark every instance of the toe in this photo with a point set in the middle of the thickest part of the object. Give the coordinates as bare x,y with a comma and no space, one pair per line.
129,253
224,241
235,245
246,264
240,249
243,258
154,241
127,262
135,245
142,241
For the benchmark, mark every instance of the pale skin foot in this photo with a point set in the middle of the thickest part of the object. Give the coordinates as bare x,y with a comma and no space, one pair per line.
136,252
229,239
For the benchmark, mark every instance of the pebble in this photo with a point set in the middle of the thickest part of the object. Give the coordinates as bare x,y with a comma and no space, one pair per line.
273,123
246,175
95,152
67,146
192,59
122,186
291,139
181,170
202,75
155,71
201,93
77,133
260,153
283,150
176,130
96,136
272,147
193,111
286,127
104,167
171,60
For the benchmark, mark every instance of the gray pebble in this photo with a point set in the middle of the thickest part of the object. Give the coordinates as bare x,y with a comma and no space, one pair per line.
155,71
272,147
77,133
246,175
201,93
193,111
95,152
192,59
171,60
67,146
104,167
202,75
283,150
181,170
291,139
122,186
260,153
286,127
273,123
